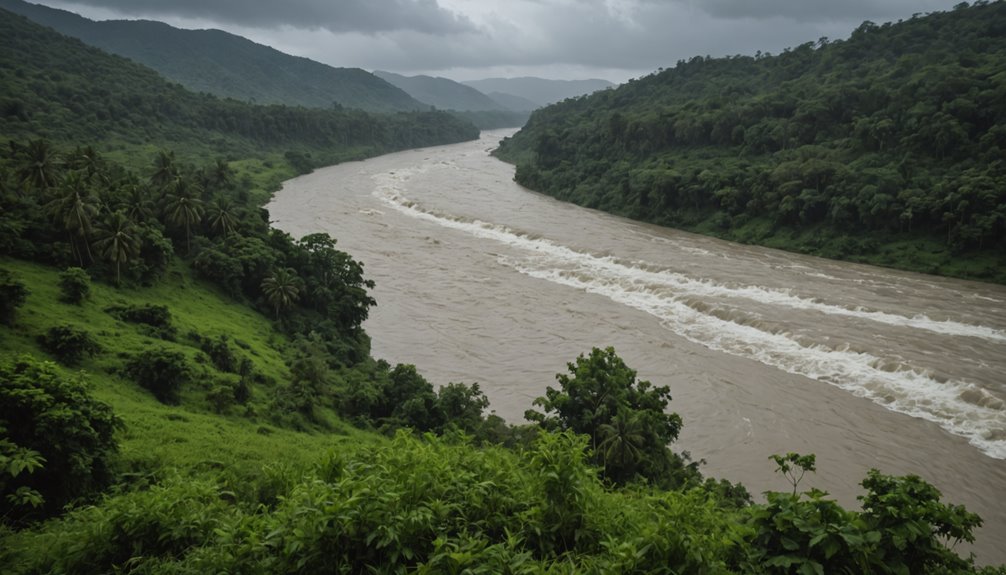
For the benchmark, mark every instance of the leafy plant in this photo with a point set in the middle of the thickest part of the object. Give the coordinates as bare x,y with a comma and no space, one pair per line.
13,294
69,344
59,440
161,371
74,285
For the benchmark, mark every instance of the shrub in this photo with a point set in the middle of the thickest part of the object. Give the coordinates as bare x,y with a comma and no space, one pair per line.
160,371
55,417
69,344
13,294
74,285
156,317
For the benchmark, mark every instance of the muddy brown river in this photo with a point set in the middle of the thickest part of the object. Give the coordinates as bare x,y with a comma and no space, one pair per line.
480,280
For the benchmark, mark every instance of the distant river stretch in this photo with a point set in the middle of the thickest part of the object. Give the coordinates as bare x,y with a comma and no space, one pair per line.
480,280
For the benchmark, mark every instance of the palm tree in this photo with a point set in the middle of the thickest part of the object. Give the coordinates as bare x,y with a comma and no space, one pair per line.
37,165
223,216
621,446
115,241
74,207
165,170
136,203
282,288
182,207
221,174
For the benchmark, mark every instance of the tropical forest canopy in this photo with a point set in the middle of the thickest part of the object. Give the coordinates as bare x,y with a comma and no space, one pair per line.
888,147
226,65
184,389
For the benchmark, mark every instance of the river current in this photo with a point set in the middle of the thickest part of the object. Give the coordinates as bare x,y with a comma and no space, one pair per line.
480,280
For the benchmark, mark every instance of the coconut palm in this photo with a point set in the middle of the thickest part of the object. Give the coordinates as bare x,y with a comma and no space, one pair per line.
115,241
182,207
222,216
282,289
74,207
37,165
621,446
165,170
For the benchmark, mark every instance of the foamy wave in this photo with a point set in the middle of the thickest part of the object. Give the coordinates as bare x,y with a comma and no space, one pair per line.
666,295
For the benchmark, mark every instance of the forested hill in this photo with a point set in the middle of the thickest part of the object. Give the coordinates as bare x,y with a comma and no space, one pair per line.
226,65
55,87
443,93
888,147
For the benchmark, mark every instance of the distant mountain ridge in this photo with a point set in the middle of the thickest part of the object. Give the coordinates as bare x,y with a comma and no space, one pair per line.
442,93
226,65
540,91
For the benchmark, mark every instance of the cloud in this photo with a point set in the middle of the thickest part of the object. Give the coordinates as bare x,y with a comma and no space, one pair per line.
365,16
468,39
815,10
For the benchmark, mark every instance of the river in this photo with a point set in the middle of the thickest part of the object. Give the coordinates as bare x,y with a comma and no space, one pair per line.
480,280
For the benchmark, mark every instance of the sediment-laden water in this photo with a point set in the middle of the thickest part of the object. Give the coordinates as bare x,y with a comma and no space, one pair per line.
765,351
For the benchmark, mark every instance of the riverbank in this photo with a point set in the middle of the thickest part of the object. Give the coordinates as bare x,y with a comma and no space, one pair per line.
467,302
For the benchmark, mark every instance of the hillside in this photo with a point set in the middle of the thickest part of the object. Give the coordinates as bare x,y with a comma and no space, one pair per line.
442,93
540,91
184,389
513,102
464,102
55,87
226,65
884,148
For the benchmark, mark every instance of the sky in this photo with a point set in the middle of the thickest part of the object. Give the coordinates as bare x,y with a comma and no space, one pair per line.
472,39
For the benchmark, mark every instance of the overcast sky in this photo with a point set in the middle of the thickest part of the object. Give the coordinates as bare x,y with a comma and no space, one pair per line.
471,39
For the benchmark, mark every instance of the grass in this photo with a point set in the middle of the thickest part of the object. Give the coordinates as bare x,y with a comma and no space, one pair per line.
188,437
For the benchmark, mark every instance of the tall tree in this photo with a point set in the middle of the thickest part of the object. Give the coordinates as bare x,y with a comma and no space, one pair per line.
74,207
282,289
115,241
36,167
183,208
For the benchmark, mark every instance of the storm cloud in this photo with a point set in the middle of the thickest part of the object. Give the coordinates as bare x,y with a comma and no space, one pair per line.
470,39
366,16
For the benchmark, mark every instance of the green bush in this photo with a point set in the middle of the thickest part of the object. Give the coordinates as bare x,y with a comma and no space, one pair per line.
13,294
74,285
55,417
161,371
69,344
157,318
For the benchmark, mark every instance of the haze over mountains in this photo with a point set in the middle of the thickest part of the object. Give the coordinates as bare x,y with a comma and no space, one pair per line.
537,90
226,65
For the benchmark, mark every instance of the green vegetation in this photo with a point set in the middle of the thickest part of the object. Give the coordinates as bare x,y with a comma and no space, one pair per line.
58,89
884,148
462,101
228,415
225,65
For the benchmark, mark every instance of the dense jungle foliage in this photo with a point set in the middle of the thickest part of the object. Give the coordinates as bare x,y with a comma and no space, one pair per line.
888,147
58,88
185,390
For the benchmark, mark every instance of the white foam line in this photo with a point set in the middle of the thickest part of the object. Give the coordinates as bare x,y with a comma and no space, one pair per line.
911,391
695,287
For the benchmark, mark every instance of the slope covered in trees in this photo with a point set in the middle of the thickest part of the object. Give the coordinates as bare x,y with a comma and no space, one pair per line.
463,101
226,65
185,390
540,91
888,147
55,87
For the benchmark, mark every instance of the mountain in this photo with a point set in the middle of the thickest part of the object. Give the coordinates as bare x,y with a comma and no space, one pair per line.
513,102
441,93
226,65
539,90
55,87
885,148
